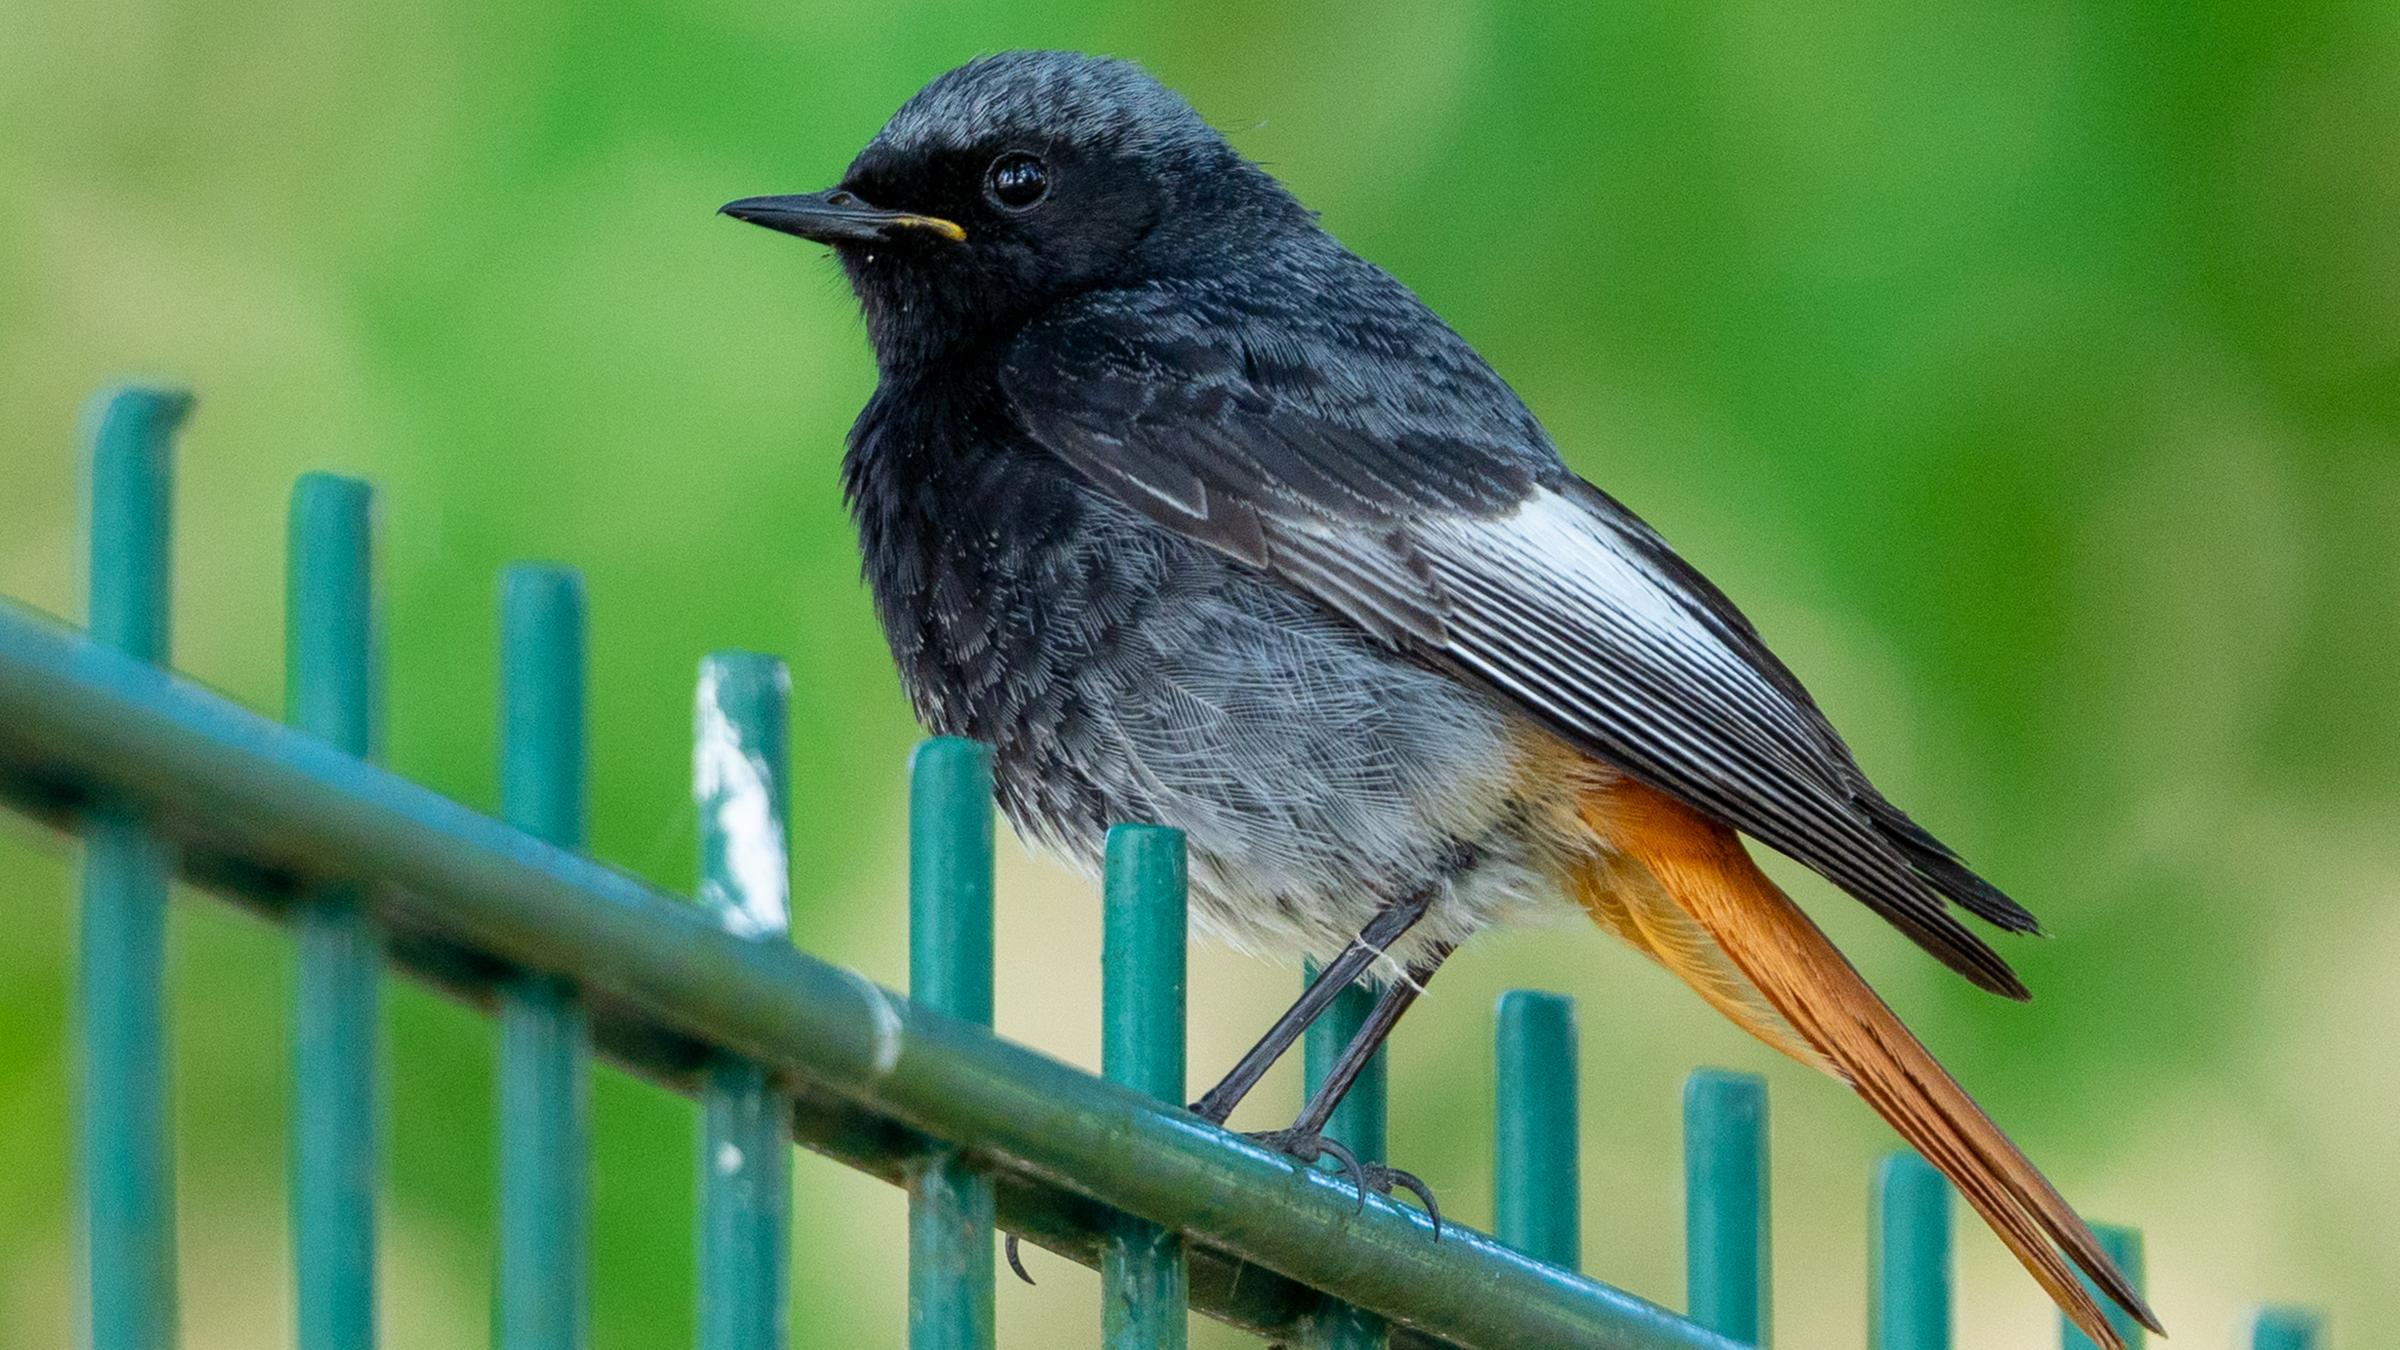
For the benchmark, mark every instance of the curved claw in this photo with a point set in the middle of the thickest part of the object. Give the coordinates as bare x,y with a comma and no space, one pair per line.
1414,1185
1376,1177
1017,1263
1341,1153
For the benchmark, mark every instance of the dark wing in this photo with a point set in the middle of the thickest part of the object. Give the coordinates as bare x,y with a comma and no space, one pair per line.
1377,464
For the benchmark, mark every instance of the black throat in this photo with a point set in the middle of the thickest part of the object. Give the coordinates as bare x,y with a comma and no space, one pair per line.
960,518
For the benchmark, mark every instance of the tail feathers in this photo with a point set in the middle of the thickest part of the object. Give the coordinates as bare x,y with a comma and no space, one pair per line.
1946,870
1628,902
1701,867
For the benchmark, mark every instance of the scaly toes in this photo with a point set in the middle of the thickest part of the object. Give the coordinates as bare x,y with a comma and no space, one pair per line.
1364,1177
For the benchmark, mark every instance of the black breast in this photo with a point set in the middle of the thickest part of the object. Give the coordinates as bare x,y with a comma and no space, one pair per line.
989,591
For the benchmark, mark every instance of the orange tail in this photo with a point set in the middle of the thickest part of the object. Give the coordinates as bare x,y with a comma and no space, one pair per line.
1815,995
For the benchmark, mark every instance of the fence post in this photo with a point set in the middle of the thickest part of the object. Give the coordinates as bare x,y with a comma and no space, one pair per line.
545,1037
1536,1176
2284,1329
1144,1284
1358,1123
1908,1250
329,654
1726,1267
741,729
950,971
128,1131
2124,1246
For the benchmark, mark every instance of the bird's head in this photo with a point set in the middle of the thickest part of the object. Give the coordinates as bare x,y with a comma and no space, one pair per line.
1021,179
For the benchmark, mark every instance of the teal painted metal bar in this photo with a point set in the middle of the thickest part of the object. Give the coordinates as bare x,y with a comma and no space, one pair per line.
2285,1329
545,1040
131,506
950,1214
1144,1281
1908,1251
329,692
128,1132
741,734
1726,1267
1357,1123
1536,1175
2124,1246
878,1073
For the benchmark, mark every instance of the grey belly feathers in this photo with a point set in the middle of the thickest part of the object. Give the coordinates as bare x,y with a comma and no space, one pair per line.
1316,774
1121,672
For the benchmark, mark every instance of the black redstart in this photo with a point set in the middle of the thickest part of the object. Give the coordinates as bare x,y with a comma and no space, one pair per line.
1196,517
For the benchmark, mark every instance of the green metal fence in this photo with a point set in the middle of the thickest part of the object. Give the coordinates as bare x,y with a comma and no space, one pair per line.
162,778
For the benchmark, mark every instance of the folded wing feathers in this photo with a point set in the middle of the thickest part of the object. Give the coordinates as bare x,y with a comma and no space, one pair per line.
1554,605
1391,483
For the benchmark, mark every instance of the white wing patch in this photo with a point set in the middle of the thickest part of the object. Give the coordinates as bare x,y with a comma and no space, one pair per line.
1554,569
1560,538
1553,605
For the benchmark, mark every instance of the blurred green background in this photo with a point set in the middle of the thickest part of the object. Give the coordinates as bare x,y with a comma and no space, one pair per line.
2030,372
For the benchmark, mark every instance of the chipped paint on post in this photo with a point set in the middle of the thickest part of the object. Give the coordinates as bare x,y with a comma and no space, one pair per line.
735,782
740,725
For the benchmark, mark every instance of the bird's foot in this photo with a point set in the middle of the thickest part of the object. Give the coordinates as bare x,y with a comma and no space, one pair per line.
1309,1145
1305,1146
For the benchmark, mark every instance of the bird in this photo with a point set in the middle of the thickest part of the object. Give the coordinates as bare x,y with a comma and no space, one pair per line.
1194,516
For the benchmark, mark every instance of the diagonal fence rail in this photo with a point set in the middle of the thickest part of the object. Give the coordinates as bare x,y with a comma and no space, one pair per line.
376,873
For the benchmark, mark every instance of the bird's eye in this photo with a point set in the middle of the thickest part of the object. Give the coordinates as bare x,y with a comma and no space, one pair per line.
1018,180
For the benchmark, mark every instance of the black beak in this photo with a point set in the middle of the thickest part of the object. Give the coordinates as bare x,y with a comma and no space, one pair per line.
834,217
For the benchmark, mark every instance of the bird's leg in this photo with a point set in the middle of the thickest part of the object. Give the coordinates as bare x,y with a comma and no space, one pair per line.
1381,931
1305,1139
1372,1032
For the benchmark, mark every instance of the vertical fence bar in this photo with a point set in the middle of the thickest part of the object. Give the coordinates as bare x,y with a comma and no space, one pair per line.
128,1139
1144,1284
2124,1246
1359,1124
2284,1329
1908,1250
741,730
1359,1121
950,970
544,1034
329,693
1725,1204
1536,1176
